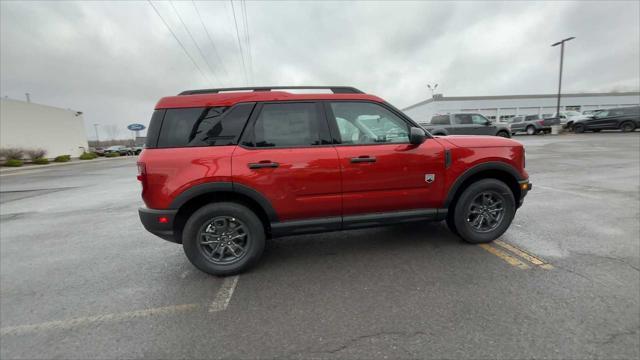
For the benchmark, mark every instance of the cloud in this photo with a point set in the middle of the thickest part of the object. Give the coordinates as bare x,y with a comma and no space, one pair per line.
114,60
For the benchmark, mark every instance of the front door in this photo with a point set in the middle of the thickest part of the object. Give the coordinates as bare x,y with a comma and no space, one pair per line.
286,155
381,170
482,125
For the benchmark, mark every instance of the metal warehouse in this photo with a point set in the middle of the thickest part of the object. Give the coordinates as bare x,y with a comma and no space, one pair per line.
33,126
503,107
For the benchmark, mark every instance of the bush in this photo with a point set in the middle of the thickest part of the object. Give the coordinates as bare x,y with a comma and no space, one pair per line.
13,163
12,153
88,156
34,154
41,161
112,154
62,158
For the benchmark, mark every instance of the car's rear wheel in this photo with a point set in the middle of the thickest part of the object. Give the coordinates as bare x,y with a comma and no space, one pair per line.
503,134
628,126
223,238
531,130
578,128
484,211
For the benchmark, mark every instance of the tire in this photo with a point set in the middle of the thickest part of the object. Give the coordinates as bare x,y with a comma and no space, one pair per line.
578,128
503,134
627,126
464,219
203,256
451,224
531,130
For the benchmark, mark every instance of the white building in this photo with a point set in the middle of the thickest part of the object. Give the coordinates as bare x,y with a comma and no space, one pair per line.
507,106
33,126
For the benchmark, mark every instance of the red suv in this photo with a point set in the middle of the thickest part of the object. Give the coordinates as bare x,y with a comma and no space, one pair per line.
225,169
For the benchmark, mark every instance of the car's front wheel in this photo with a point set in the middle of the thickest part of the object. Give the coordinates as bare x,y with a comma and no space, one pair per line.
223,238
484,211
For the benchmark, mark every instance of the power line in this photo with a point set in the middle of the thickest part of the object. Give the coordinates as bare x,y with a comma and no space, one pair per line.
213,45
194,40
244,66
248,37
206,78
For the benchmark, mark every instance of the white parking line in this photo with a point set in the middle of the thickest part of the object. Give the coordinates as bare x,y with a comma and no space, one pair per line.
224,294
71,323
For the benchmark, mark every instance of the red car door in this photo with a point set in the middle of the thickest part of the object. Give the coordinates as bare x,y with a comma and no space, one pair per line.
286,155
381,170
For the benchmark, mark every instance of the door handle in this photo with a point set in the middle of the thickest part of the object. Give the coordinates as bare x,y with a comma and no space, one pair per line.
363,159
263,164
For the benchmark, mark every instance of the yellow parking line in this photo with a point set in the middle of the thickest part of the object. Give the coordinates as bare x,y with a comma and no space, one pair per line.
523,254
504,256
71,323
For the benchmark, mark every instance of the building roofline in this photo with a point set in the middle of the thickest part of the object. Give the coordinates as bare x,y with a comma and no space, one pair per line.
509,97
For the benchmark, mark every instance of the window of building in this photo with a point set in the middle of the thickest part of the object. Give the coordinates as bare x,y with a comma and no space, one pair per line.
572,108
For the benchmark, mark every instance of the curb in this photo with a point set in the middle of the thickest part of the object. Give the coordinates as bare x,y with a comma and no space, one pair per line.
9,171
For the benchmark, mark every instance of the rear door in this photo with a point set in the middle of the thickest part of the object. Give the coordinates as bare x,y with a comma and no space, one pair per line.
286,155
462,124
381,170
517,124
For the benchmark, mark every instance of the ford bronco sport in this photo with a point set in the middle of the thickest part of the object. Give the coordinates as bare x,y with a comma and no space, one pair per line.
225,169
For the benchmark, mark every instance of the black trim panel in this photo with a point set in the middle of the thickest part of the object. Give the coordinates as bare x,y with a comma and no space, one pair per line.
149,219
494,165
214,187
354,221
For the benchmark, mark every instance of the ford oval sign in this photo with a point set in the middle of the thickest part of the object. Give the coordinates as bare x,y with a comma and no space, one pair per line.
136,127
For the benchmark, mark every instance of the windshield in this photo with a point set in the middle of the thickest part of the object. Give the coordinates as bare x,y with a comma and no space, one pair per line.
572,113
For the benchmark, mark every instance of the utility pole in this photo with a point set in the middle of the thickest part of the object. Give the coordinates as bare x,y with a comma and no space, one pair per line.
28,97
561,43
432,88
97,137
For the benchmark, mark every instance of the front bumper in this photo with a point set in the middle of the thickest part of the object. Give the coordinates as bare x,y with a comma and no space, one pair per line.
159,222
525,187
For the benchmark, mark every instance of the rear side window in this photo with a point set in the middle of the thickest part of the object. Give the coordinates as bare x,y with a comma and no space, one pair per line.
440,120
154,128
287,125
531,117
215,126
463,119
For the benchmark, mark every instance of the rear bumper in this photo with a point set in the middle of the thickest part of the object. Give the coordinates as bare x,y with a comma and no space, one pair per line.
525,187
159,222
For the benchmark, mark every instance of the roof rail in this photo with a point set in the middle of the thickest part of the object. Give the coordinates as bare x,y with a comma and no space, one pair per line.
334,89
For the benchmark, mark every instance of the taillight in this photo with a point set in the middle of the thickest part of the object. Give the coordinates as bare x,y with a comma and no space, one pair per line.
142,171
541,122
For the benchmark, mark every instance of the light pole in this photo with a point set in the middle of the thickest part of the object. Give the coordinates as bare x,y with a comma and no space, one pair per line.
432,88
97,137
561,43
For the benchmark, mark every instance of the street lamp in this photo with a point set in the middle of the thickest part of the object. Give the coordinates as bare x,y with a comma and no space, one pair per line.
433,89
97,137
561,43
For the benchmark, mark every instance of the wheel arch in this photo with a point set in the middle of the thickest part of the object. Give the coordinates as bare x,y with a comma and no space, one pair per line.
492,170
194,198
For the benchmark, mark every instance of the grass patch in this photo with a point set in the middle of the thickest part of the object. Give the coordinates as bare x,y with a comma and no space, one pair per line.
62,158
13,163
41,161
88,156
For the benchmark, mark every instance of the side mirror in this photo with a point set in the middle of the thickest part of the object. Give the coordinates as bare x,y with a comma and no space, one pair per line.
488,123
417,136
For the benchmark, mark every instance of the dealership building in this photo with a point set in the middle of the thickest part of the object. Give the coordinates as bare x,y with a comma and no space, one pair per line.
28,125
503,107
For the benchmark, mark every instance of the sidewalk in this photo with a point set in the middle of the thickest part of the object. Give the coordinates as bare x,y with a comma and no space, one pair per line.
4,170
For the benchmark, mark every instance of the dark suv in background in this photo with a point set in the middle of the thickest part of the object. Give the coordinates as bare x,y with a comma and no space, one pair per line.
626,119
465,124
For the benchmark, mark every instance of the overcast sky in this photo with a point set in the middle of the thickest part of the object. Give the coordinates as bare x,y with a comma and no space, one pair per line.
113,61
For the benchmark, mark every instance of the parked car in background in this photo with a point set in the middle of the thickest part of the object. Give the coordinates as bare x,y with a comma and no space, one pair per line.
137,150
99,151
120,149
567,118
532,124
625,118
465,124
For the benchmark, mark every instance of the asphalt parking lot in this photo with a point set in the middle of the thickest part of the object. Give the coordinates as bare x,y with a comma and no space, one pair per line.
80,278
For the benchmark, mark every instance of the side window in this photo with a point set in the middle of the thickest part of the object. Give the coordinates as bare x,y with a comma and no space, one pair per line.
440,120
215,126
462,119
285,125
478,119
368,123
